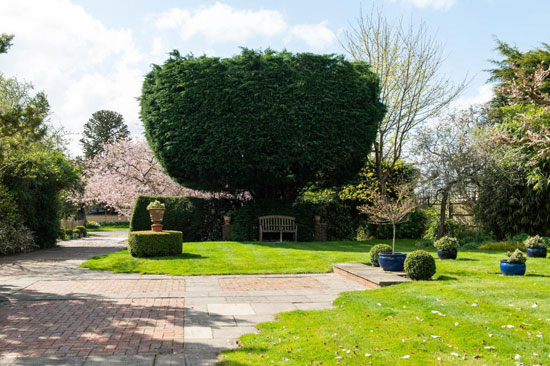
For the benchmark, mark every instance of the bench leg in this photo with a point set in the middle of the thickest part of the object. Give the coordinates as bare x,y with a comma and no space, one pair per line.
281,237
261,235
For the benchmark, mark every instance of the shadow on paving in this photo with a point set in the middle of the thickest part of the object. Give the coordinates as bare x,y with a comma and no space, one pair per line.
68,327
62,253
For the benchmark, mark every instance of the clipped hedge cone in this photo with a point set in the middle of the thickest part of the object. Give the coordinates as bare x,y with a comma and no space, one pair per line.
420,265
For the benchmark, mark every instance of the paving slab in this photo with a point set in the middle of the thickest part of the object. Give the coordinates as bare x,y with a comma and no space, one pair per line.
197,332
245,299
49,361
7,360
210,320
251,320
204,300
232,332
230,309
171,360
369,275
287,299
261,308
135,360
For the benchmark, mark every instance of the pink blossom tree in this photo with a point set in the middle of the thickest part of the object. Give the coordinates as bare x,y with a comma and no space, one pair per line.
125,170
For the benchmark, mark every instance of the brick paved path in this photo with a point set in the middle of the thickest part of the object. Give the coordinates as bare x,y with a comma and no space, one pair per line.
54,313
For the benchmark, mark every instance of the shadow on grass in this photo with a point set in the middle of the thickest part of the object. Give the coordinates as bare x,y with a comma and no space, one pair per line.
467,259
447,278
180,256
536,275
332,246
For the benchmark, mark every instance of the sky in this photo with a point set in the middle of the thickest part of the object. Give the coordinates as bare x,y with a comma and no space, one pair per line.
88,55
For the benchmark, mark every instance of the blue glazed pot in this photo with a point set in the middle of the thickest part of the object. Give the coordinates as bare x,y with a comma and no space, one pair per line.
536,252
512,269
393,262
447,254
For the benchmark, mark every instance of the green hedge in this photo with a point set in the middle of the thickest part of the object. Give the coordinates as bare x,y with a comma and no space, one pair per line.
337,216
245,222
199,219
154,244
82,230
265,122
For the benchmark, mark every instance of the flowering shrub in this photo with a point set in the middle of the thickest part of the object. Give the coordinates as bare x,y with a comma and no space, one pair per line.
535,242
516,257
124,171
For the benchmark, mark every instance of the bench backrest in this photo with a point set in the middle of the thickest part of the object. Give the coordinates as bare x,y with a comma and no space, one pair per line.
277,222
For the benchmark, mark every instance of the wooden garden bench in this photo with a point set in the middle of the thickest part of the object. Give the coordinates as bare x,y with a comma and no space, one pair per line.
278,224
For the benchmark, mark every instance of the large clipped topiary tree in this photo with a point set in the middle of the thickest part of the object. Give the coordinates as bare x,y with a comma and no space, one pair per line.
264,122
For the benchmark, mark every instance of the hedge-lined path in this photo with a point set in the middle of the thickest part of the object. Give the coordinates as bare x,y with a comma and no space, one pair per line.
54,312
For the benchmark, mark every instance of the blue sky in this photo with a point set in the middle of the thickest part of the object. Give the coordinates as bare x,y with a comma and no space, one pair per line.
90,55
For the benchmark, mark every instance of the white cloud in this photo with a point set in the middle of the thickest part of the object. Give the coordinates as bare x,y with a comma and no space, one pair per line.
316,36
81,64
221,22
436,4
484,94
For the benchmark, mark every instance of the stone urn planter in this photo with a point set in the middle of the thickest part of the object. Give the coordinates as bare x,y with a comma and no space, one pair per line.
156,212
227,220
392,261
317,218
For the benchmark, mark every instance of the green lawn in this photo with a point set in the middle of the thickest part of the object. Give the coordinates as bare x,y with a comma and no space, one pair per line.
471,315
207,258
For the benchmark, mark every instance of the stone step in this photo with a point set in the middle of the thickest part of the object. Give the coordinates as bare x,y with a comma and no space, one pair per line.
373,277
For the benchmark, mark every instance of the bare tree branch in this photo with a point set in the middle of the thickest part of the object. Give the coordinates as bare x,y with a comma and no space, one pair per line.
408,62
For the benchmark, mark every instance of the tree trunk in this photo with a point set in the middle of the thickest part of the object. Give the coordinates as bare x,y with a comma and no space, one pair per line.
381,174
393,242
442,211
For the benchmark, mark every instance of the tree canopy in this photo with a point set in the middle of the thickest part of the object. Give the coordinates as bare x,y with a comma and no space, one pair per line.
33,168
267,122
104,127
5,42
22,114
516,75
125,170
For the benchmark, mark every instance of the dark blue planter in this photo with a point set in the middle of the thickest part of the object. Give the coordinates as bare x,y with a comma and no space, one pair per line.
512,269
447,254
393,262
536,252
